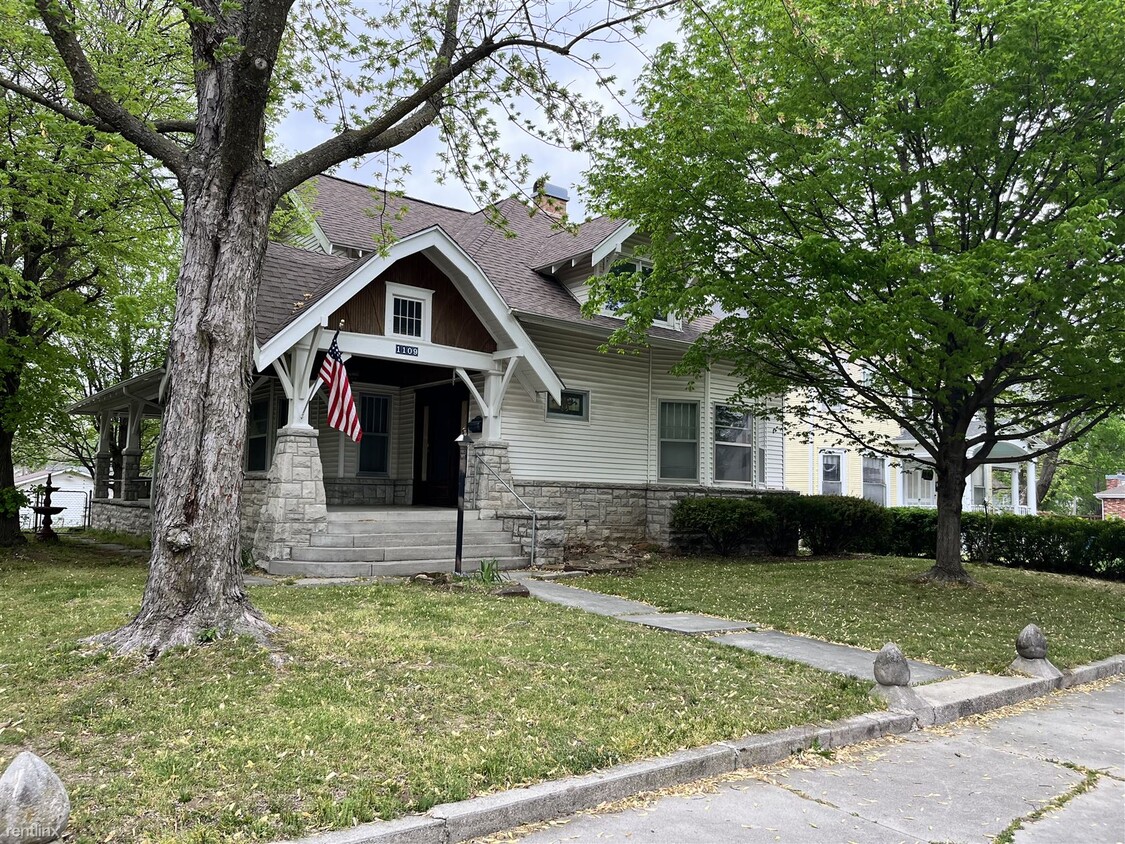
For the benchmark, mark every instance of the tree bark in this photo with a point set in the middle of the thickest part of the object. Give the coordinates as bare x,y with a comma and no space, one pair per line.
195,586
10,533
947,566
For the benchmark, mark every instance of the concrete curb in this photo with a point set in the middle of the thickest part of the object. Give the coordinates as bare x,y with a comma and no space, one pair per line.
467,819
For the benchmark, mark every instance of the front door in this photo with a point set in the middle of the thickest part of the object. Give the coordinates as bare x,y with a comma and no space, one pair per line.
439,414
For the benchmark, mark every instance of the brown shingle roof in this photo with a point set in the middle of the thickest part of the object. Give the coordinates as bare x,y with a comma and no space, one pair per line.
354,215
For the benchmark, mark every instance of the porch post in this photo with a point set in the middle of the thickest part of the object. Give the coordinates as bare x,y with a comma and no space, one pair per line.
102,457
490,432
1016,488
901,484
988,485
294,509
131,456
1032,490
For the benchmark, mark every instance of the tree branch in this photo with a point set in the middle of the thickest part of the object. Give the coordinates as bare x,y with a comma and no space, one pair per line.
89,92
162,126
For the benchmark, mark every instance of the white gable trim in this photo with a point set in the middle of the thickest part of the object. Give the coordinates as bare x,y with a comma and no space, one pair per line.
461,269
612,244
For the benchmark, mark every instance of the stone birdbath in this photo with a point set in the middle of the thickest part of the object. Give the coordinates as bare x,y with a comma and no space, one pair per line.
46,532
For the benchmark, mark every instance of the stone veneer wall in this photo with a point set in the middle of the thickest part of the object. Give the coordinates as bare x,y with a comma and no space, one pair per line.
368,491
620,512
133,517
253,497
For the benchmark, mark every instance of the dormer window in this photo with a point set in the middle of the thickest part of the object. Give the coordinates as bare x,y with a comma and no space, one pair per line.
409,312
629,267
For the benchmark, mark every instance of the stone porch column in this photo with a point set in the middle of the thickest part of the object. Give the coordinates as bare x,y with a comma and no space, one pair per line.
482,490
131,455
294,509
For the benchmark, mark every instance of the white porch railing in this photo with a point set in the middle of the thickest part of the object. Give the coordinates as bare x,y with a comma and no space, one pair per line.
994,507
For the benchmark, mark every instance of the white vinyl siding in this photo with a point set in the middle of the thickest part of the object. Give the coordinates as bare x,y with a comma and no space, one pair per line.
619,442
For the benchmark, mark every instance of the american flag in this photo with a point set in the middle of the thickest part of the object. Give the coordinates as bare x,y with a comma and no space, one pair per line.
341,406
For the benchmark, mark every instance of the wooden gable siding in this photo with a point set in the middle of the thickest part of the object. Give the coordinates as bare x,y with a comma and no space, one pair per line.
454,323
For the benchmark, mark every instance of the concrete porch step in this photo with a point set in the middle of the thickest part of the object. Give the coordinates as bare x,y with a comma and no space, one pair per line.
404,553
396,515
430,535
297,568
411,528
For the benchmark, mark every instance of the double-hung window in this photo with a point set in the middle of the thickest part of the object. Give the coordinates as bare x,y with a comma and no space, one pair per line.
831,473
409,312
875,480
679,440
734,444
375,447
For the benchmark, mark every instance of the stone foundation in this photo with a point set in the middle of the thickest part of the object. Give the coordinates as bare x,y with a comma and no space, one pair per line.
294,507
119,516
549,535
622,512
368,492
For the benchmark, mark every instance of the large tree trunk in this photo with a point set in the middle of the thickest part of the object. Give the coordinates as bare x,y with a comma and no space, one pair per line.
195,586
10,533
950,490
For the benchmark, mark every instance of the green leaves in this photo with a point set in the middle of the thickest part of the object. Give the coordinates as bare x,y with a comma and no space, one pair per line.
914,210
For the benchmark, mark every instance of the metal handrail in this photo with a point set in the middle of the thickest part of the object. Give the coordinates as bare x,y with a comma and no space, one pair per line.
526,506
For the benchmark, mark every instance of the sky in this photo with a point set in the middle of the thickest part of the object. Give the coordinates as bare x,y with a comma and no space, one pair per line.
300,130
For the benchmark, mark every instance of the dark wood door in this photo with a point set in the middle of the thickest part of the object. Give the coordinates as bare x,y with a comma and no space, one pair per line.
439,413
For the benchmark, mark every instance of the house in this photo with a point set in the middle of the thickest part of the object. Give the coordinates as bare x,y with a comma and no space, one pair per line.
74,490
1112,498
818,464
457,324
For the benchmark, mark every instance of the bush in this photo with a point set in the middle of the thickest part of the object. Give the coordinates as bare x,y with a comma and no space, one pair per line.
913,532
1061,544
727,523
834,524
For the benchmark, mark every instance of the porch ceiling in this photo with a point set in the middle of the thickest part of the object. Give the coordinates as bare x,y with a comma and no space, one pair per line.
144,388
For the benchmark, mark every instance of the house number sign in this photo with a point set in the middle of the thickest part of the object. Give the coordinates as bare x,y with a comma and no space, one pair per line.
409,351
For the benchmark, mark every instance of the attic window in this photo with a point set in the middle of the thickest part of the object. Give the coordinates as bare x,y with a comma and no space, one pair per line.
409,312
636,265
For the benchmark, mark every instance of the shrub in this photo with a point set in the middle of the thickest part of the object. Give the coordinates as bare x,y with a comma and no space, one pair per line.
1061,544
833,524
727,523
913,532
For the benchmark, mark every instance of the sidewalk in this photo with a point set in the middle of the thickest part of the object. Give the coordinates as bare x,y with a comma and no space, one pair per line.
964,783
827,656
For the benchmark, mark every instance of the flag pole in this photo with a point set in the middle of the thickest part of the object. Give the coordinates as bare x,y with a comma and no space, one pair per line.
462,443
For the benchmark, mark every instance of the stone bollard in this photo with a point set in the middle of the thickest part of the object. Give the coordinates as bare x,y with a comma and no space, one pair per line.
892,674
34,807
891,667
1031,655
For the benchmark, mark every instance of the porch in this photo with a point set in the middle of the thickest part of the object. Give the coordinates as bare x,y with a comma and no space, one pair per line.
996,488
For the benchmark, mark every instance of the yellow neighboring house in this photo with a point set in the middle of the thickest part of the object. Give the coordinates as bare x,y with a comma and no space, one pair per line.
822,464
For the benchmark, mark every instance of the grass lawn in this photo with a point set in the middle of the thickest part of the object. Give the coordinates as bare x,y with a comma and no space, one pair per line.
871,601
395,698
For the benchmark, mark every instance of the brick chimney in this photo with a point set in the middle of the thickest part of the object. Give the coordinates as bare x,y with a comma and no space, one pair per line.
1114,481
552,200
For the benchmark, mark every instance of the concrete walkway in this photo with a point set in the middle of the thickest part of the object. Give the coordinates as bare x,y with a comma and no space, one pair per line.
968,783
827,656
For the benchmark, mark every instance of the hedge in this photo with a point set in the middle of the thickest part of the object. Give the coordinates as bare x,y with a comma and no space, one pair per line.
834,524
1061,544
829,524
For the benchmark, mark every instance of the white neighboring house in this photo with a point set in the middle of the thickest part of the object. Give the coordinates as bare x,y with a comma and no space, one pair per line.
457,325
76,487
1008,486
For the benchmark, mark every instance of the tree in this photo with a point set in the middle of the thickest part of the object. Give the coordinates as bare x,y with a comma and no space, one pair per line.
74,208
906,211
1082,466
386,74
125,337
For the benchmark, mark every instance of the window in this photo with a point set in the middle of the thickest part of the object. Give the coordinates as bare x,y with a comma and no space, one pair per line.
679,440
575,404
409,312
875,480
258,436
831,473
734,444
375,447
629,267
